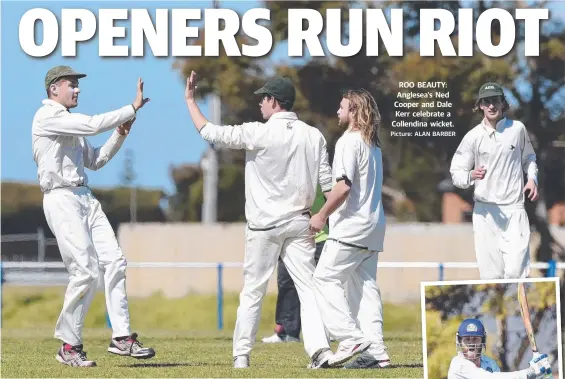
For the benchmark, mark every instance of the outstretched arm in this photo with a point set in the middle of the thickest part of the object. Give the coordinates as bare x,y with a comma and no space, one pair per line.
76,124
244,136
96,158
189,94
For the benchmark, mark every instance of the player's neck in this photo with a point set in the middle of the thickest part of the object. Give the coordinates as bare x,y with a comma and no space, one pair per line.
477,362
353,128
492,123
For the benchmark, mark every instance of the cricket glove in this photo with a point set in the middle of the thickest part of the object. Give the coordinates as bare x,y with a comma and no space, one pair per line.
539,366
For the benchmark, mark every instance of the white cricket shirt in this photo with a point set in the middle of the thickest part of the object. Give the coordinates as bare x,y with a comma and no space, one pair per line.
506,153
461,368
285,160
60,148
360,220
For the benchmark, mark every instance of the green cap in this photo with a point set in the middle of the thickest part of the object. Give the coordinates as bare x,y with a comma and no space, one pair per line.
490,89
281,89
58,72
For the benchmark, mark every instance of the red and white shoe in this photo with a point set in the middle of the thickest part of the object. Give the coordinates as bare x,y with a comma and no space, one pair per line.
73,356
346,352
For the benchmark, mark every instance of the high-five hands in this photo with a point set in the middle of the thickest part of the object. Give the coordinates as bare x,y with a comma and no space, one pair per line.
139,101
190,90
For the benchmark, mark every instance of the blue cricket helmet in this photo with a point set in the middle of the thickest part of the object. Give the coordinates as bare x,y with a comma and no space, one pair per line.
471,327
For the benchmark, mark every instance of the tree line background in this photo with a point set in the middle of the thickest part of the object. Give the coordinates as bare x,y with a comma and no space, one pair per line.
413,167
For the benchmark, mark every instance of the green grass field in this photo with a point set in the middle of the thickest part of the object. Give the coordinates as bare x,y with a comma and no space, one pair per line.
184,334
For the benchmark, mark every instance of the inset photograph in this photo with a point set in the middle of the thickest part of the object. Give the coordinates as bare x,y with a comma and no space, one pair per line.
477,327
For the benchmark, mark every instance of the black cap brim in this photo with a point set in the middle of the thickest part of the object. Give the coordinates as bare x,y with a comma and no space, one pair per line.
261,91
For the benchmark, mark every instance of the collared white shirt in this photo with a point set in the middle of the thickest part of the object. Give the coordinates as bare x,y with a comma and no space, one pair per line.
462,368
506,153
360,220
285,160
60,148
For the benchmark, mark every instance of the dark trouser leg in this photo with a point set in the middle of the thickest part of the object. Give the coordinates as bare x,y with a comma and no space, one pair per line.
288,304
319,248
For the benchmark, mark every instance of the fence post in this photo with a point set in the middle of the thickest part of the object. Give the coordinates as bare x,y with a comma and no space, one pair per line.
551,270
220,297
40,245
441,269
108,323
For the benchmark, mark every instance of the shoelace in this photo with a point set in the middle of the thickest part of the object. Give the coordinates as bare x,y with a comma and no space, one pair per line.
80,353
134,341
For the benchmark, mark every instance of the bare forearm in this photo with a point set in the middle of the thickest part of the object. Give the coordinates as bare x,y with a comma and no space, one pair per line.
335,198
197,117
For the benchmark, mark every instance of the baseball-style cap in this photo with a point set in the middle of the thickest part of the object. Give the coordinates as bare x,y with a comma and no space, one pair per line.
281,89
490,89
58,72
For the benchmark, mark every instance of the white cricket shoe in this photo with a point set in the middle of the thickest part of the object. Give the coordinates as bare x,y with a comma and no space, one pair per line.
345,353
241,361
275,338
320,359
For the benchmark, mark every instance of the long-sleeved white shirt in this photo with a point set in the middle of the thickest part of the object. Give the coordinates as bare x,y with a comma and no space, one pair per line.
360,220
61,150
285,160
461,368
506,153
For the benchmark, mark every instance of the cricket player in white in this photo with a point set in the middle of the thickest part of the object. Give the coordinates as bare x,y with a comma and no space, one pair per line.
348,262
471,363
493,156
285,161
85,238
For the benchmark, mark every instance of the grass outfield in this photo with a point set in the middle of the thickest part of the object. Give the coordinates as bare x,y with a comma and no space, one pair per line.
184,335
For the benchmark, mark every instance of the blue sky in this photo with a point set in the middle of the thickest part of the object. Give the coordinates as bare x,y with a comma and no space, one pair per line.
162,135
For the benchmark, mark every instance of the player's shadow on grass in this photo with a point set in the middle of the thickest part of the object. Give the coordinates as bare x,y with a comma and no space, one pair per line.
194,364
408,365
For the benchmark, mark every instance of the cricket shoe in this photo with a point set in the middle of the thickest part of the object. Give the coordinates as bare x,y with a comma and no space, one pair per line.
73,356
131,347
345,353
241,361
276,338
320,359
367,360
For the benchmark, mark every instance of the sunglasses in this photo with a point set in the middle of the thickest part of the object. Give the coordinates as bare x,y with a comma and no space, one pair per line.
491,100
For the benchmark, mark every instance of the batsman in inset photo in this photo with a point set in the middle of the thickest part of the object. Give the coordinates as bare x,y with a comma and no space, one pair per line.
502,329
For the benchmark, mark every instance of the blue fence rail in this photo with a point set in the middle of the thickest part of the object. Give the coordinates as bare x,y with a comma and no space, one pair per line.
551,267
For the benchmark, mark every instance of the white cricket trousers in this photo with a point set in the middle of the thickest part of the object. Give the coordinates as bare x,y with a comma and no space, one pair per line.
502,241
348,296
88,245
295,244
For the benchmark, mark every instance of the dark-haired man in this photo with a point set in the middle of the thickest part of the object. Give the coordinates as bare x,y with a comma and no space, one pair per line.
285,160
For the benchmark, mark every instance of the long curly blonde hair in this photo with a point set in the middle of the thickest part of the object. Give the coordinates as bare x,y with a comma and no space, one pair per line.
366,115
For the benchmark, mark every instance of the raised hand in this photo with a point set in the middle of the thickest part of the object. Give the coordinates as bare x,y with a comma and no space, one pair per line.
139,101
190,90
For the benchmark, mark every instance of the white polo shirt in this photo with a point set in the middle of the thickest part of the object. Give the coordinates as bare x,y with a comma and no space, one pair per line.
506,153
360,220
462,368
60,148
284,162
